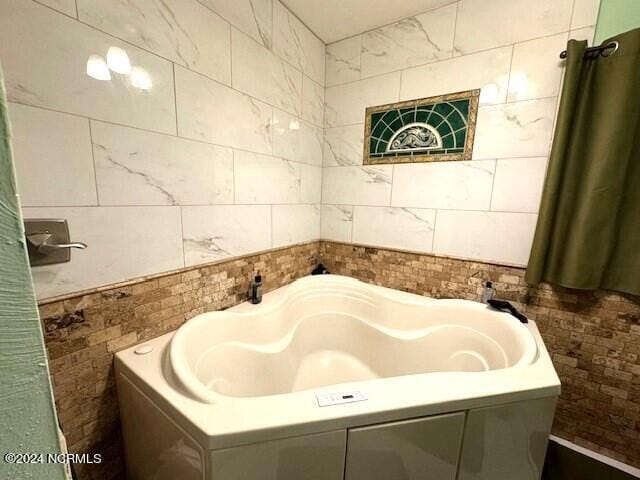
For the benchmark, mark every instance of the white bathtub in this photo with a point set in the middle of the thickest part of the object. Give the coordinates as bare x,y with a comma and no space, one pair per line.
328,374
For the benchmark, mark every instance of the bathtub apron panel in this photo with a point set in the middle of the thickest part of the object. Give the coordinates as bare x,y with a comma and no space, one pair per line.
312,457
155,447
416,449
507,442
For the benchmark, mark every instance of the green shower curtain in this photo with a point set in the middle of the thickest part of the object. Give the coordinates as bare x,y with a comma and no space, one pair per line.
588,232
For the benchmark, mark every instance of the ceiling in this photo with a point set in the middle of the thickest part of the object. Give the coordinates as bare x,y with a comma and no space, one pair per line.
333,20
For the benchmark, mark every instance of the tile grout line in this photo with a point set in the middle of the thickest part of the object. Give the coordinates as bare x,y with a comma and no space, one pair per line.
38,2
271,224
233,148
93,161
186,67
493,183
353,221
513,54
455,30
302,111
481,107
228,21
449,163
393,173
231,57
241,92
165,205
80,115
432,9
573,9
171,135
420,207
146,49
175,97
182,242
433,233
410,67
210,262
298,18
360,56
233,175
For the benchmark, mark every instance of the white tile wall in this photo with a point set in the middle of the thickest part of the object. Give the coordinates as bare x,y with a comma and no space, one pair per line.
296,140
215,113
488,71
414,41
343,62
485,24
221,231
404,228
369,185
343,145
44,56
260,73
187,33
536,69
310,184
262,179
337,222
490,236
520,129
481,209
312,101
253,17
518,184
52,170
134,167
124,242
586,33
451,185
295,224
294,42
238,141
67,7
585,13
345,104
184,172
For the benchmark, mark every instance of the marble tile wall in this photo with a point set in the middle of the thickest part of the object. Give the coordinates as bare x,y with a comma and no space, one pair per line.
220,157
484,209
239,115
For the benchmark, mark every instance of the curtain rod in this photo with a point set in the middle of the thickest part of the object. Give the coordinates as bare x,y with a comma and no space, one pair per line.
602,50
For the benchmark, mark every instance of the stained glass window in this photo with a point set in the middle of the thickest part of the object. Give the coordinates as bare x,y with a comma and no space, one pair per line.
425,130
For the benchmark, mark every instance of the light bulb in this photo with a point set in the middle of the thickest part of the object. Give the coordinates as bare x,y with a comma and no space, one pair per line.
140,78
97,68
118,60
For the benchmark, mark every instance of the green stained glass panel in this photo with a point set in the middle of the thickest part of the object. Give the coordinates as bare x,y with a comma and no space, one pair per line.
423,128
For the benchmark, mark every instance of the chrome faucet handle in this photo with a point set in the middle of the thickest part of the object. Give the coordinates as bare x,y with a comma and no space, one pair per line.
41,242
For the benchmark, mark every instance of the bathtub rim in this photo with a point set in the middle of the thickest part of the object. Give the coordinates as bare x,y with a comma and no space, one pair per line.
288,415
278,299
